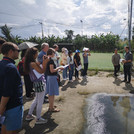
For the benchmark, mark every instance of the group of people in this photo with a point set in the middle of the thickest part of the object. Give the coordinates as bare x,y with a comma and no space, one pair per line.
41,71
127,64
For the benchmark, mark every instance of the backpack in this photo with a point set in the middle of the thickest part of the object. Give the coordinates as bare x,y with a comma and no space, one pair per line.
20,67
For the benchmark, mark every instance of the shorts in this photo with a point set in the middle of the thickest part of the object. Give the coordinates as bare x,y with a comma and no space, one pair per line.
13,118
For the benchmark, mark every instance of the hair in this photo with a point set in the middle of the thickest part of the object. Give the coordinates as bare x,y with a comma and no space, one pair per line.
69,54
23,53
50,51
77,55
55,46
127,47
6,47
29,57
43,45
63,49
2,41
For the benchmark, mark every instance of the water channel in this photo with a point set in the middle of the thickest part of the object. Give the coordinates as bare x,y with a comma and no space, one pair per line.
109,114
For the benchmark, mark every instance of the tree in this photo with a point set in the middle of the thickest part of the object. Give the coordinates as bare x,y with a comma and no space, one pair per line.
6,31
69,34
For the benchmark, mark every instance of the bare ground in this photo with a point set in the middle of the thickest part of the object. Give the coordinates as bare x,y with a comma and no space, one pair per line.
70,119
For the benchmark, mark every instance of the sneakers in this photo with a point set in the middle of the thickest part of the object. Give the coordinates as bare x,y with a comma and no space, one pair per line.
70,81
41,121
30,117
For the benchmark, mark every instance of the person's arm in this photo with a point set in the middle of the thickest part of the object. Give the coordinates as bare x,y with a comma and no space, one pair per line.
52,70
89,54
3,103
38,68
113,59
75,63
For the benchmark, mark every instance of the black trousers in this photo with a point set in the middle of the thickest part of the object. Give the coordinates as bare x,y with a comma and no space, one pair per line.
127,72
85,69
76,73
116,69
28,85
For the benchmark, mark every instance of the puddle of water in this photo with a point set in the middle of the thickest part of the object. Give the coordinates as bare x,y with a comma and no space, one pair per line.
109,114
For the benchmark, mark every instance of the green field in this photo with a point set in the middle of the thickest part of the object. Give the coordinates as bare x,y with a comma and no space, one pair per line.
100,61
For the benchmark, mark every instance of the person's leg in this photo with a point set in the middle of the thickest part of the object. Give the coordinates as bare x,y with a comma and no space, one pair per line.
70,73
86,68
40,99
118,68
84,71
51,102
125,73
64,74
129,73
28,85
33,105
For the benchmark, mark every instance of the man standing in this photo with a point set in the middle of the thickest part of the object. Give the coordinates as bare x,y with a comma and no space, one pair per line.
44,49
11,103
116,62
127,65
57,56
85,60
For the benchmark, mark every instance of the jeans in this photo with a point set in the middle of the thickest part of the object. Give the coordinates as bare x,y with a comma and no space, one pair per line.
116,69
65,73
127,72
71,71
85,69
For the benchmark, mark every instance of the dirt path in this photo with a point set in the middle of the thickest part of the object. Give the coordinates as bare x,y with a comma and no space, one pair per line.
71,102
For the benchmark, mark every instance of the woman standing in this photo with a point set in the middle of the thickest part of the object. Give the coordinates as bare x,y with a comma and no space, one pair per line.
77,62
64,62
52,83
71,65
39,83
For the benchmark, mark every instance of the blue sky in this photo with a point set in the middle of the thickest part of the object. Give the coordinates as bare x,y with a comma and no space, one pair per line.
98,16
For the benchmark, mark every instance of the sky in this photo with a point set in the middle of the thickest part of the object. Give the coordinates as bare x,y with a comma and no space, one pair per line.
84,17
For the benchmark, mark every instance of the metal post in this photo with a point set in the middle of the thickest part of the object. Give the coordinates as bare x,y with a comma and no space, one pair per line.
42,29
130,5
81,27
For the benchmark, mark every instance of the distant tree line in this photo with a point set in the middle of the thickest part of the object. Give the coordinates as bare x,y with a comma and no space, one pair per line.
96,43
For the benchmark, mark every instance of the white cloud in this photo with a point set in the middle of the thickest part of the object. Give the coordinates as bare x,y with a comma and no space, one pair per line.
106,26
30,2
57,16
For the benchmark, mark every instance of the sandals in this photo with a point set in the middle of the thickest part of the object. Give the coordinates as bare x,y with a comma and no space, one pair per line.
54,109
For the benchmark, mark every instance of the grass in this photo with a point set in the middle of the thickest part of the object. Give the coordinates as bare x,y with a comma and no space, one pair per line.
97,61
100,61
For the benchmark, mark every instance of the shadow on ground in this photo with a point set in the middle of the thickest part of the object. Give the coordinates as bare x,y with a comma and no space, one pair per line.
29,127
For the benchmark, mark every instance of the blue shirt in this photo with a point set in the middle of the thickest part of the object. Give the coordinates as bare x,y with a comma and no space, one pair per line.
40,56
85,58
10,83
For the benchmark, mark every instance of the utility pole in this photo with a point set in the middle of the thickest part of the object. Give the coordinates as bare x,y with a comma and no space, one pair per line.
81,27
42,29
81,31
130,5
